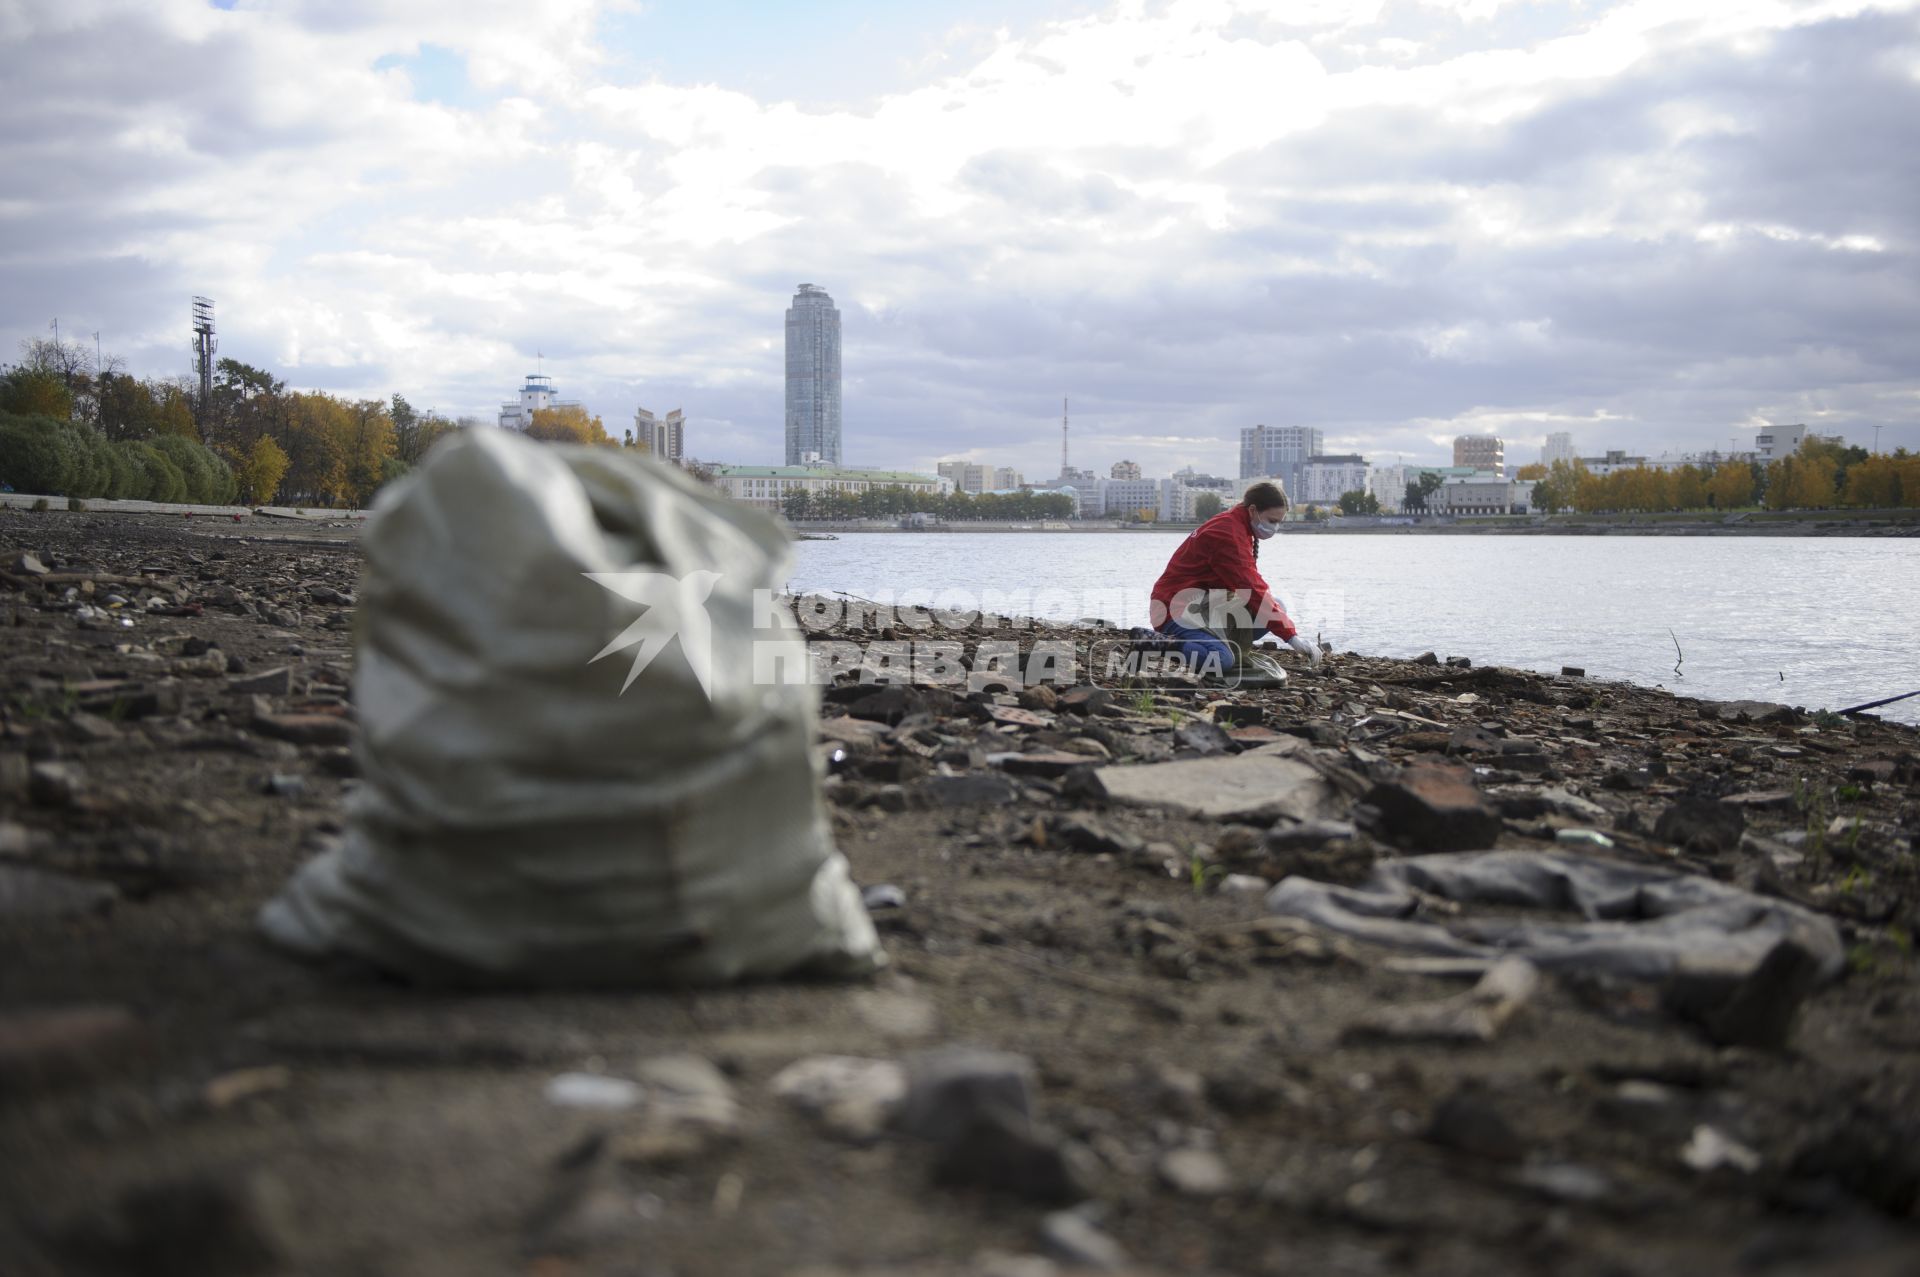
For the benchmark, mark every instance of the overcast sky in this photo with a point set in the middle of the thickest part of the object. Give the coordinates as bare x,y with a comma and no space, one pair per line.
1658,225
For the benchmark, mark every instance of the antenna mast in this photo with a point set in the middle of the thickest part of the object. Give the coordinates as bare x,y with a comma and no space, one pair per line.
204,344
1063,436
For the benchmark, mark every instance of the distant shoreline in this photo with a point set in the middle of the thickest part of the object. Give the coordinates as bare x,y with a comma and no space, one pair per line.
1816,524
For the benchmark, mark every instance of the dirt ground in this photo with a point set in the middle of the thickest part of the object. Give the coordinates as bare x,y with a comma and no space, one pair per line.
178,1097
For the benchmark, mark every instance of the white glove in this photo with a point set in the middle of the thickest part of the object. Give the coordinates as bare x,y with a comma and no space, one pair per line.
1300,644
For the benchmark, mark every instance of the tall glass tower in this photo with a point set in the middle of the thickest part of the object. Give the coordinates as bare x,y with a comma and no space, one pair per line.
813,379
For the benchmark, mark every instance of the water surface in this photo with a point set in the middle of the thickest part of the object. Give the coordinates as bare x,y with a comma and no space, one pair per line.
1821,622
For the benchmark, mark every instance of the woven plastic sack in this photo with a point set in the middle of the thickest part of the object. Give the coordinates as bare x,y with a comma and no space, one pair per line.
576,770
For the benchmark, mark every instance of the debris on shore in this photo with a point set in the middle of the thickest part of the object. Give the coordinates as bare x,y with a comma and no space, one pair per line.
1124,1026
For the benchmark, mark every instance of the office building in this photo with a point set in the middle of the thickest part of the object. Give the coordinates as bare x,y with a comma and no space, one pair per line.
1481,452
664,437
1124,470
1277,452
1558,447
813,379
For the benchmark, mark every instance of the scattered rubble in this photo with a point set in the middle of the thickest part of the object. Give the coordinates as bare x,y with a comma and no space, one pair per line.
1098,1038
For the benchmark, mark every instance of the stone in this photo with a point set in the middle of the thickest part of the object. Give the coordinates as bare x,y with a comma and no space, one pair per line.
1434,808
1041,699
26,892
1007,1152
123,701
1044,763
1260,785
1701,825
1307,835
1427,658
91,728
1460,662
1755,711
305,729
284,785
232,1088
850,1097
1475,1016
1084,699
949,1089
1572,671
1761,800
1078,1240
1194,1172
209,1226
1757,1009
1467,1121
1083,833
592,1091
1710,1149
274,682
896,1015
888,705
1088,747
29,565
1204,738
55,784
1564,1182
53,1046
974,789
1530,802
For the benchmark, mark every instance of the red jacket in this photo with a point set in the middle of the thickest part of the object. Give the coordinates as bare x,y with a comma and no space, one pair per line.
1218,555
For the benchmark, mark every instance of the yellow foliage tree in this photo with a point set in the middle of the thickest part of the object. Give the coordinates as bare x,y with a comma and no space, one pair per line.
1731,486
262,471
1538,470
1689,488
568,423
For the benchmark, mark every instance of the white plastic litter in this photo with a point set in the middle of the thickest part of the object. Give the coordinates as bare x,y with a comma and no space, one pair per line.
544,805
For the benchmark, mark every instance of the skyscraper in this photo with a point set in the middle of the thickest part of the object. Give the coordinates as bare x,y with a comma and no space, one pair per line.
813,379
1277,452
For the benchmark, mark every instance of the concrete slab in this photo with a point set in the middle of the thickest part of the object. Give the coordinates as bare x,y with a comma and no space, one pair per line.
1258,785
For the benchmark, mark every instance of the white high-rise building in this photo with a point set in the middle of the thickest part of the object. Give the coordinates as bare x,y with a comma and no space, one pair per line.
1558,447
813,379
664,437
1277,452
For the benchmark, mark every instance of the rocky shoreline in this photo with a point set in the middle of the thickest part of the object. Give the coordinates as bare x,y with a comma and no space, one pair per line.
1101,1041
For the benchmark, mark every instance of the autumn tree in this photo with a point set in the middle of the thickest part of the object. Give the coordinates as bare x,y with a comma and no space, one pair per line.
1536,470
1206,505
568,423
261,473
1731,487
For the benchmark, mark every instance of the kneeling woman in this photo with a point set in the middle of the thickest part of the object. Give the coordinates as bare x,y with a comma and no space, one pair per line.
1211,583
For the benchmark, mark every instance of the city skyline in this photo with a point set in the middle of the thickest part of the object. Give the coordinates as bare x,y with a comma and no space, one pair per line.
1651,225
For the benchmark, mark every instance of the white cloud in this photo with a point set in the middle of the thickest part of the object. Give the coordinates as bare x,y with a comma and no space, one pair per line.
1386,219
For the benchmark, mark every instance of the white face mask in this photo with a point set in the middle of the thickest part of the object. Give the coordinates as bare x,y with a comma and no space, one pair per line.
1263,529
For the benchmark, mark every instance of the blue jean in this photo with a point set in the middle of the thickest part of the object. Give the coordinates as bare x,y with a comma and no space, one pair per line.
1197,645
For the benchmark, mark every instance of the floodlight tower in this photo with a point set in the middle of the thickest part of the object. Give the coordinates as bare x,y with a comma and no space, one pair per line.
204,344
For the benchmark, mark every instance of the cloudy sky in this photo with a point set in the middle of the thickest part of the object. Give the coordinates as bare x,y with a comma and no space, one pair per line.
1656,223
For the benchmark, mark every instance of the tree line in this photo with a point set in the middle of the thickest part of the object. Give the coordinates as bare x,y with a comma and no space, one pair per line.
894,501
1820,474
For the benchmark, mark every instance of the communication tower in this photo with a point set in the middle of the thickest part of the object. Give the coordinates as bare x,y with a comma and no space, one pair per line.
204,344
1063,437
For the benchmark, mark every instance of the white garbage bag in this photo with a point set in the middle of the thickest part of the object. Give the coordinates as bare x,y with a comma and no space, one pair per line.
578,770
